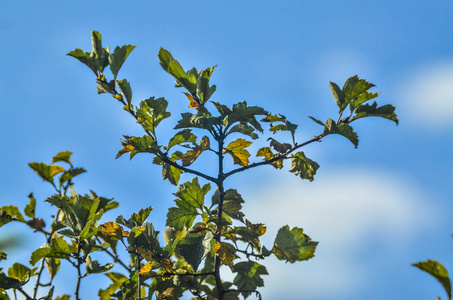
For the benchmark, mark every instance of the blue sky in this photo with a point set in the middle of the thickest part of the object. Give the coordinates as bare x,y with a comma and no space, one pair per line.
375,209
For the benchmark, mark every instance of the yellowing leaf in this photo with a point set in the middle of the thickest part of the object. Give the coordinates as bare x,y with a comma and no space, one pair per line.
237,151
226,252
190,156
268,155
192,102
126,149
113,229
56,169
146,269
118,97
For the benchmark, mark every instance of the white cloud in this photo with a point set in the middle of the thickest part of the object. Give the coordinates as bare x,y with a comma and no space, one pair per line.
427,95
348,215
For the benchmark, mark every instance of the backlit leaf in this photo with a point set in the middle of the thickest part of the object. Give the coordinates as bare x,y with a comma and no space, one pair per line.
293,245
113,229
244,129
190,156
118,57
126,90
30,207
93,266
184,136
151,112
246,114
386,111
21,272
438,271
353,88
52,266
338,95
64,156
195,247
44,171
248,276
331,127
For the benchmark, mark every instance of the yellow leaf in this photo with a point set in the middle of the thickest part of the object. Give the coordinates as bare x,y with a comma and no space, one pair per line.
192,102
126,149
56,169
226,252
237,151
146,269
113,229
268,154
118,97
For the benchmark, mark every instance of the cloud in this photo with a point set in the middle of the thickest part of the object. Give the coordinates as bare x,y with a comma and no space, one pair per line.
350,215
427,95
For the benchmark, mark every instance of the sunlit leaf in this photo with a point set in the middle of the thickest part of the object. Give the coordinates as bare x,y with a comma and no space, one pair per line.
44,171
151,112
21,272
244,129
183,136
237,150
438,271
30,207
126,90
338,95
246,114
226,252
190,156
52,266
69,174
64,156
267,153
113,229
142,215
353,88
93,266
293,245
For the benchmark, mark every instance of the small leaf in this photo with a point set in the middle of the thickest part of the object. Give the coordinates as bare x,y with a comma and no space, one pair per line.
353,88
52,266
44,171
338,95
141,216
192,102
30,207
118,57
268,155
151,112
69,174
244,129
184,136
21,272
302,166
237,150
126,90
93,266
293,245
64,156
438,271
112,229
190,156
171,173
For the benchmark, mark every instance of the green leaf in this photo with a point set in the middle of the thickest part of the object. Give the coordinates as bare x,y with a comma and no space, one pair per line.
64,156
10,213
204,91
87,58
286,126
52,266
386,111
101,54
248,276
195,247
117,279
338,95
190,198
172,66
44,171
69,174
222,109
438,271
141,145
118,57
184,136
2,255
21,272
317,121
193,193
64,297
151,112
344,129
246,114
9,283
293,245
237,150
141,216
171,173
93,266
362,98
244,129
186,121
353,88
30,207
303,166
126,90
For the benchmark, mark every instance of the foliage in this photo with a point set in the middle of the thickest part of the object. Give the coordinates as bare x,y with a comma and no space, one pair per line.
202,236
